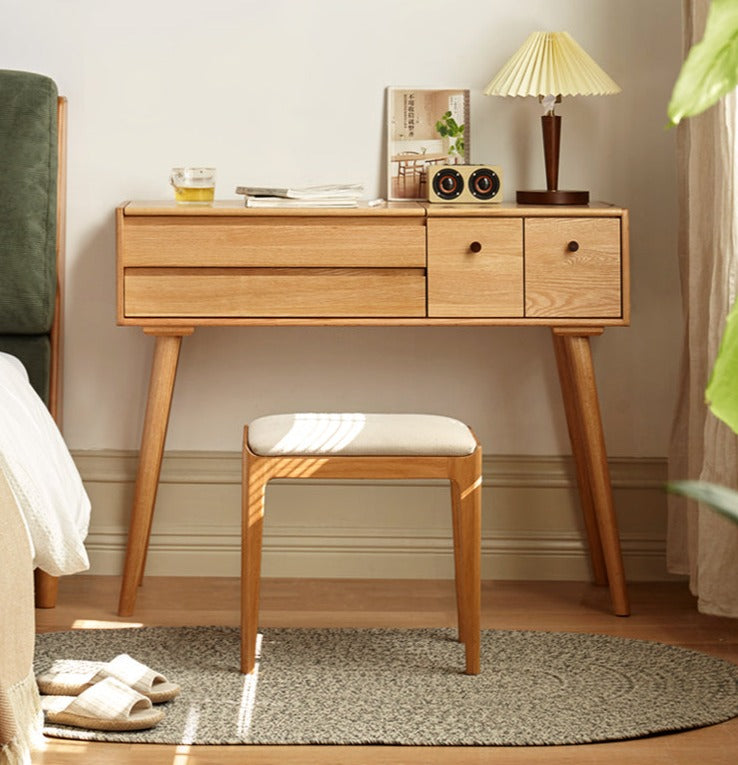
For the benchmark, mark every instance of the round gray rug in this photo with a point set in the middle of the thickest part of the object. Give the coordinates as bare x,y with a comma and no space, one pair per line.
377,686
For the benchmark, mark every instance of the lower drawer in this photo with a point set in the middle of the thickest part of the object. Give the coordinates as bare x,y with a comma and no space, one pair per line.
286,292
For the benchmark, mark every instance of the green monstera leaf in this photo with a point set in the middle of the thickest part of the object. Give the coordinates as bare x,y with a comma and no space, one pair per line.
711,68
719,498
722,389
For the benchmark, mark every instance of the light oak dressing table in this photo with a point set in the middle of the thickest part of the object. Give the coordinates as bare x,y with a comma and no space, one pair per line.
401,264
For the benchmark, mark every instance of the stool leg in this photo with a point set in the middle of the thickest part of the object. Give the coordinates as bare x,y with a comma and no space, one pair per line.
458,562
466,481
252,521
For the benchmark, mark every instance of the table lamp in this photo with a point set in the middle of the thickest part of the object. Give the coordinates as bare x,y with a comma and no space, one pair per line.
551,65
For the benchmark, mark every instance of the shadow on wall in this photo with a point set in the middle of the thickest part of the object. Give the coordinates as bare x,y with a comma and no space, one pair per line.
228,376
111,363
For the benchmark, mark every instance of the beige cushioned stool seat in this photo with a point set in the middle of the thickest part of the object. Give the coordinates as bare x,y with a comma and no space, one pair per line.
355,434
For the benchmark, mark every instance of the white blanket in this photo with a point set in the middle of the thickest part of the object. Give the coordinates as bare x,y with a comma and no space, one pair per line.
42,475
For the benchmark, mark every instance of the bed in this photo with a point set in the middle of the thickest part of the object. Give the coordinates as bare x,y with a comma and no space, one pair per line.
32,237
44,510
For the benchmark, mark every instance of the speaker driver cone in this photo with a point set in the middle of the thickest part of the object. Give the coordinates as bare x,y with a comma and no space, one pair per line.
484,183
448,183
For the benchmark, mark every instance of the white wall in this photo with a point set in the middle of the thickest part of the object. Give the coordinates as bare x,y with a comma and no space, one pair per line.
292,91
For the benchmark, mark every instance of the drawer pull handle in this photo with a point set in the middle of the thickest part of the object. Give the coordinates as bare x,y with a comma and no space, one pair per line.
573,246
475,246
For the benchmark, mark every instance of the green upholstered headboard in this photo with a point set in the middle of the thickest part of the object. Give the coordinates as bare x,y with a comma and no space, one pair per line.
28,197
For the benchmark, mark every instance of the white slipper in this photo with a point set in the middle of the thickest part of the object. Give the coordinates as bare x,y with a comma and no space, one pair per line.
72,678
107,705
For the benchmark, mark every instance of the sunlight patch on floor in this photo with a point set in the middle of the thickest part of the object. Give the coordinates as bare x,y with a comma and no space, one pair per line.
181,755
95,624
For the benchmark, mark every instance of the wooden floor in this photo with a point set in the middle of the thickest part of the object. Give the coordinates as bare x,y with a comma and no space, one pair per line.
662,611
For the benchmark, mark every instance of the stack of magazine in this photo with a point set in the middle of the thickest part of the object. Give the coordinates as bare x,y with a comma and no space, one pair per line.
342,195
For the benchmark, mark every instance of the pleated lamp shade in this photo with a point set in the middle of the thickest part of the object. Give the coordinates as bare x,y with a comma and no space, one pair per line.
551,64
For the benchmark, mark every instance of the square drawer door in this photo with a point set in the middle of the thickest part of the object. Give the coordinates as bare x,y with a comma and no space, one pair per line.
573,268
475,267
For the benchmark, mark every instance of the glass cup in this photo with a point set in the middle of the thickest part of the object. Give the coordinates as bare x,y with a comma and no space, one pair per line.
193,185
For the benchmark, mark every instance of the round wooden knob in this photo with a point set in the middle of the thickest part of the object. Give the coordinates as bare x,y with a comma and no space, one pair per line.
573,246
475,246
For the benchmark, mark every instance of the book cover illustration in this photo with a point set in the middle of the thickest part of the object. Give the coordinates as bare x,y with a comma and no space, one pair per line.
424,127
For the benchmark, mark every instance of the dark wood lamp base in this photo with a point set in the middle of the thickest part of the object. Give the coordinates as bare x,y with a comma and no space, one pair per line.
551,128
544,197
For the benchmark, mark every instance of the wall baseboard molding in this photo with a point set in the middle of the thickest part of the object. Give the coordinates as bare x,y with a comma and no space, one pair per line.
532,527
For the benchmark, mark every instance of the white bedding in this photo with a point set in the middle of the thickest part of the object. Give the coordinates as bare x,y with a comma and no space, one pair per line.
42,475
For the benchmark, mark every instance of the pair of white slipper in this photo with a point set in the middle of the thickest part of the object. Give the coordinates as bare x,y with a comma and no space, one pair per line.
117,695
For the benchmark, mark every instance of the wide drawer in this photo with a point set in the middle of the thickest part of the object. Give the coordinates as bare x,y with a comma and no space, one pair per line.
272,242
573,268
285,292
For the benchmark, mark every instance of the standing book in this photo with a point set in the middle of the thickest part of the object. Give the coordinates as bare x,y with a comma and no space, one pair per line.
424,128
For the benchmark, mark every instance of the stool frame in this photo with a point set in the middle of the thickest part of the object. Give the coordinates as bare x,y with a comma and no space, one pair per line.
465,476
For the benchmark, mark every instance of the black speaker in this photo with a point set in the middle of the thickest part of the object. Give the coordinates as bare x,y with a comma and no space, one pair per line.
465,183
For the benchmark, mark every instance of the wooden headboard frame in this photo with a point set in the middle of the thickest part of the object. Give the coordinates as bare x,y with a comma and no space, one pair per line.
55,375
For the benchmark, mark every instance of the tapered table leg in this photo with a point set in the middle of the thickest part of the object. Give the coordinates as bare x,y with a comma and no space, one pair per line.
161,388
597,560
579,389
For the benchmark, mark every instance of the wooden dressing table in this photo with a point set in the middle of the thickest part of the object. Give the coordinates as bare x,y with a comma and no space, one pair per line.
401,264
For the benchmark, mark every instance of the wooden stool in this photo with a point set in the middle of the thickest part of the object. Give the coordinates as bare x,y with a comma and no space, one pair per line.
383,446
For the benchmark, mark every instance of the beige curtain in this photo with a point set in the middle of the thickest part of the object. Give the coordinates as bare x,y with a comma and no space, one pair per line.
701,543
